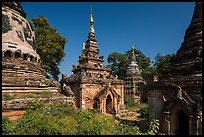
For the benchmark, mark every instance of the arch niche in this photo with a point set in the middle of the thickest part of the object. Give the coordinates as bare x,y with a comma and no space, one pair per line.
179,119
17,55
7,54
183,123
109,104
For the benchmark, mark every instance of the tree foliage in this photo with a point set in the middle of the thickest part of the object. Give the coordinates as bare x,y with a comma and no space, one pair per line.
49,45
119,63
162,62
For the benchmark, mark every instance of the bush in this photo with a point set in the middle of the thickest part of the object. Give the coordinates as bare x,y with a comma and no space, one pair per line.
6,126
129,101
154,127
34,104
47,120
144,112
62,120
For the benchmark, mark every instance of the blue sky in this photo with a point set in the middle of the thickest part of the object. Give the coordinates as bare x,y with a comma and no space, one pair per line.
153,27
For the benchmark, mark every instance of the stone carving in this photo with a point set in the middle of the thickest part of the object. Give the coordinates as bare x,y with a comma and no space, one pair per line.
67,90
74,67
179,94
83,73
116,77
167,126
15,6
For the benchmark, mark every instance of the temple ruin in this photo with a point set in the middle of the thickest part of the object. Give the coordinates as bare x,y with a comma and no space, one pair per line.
23,78
91,84
176,98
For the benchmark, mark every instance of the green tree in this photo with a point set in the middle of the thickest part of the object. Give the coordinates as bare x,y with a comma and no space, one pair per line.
119,62
49,45
162,62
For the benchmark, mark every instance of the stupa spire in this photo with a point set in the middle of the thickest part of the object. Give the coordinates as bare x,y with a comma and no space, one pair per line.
132,56
91,22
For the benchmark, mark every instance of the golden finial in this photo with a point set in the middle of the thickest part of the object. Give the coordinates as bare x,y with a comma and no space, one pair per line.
133,46
133,49
91,18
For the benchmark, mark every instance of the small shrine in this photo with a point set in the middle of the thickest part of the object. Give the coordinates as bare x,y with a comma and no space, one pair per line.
133,79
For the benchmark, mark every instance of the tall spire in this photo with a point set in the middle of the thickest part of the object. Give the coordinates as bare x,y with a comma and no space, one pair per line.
188,59
91,21
133,46
194,30
132,56
91,18
90,53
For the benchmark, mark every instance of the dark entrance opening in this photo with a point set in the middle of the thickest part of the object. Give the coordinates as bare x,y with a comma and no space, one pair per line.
109,104
96,104
7,54
17,55
25,56
183,123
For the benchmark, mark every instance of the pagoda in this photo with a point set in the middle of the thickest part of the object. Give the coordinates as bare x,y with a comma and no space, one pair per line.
21,67
176,98
133,78
91,83
23,78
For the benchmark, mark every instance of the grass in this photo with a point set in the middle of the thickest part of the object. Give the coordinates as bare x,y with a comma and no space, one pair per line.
137,107
7,97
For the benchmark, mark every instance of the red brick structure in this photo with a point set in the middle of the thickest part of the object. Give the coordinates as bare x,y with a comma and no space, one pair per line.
91,84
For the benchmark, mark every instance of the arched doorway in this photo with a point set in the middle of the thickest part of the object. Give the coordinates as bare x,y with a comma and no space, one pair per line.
25,56
17,55
183,123
109,106
31,58
7,54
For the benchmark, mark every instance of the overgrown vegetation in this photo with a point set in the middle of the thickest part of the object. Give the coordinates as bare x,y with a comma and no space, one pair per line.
144,113
129,101
62,120
7,97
